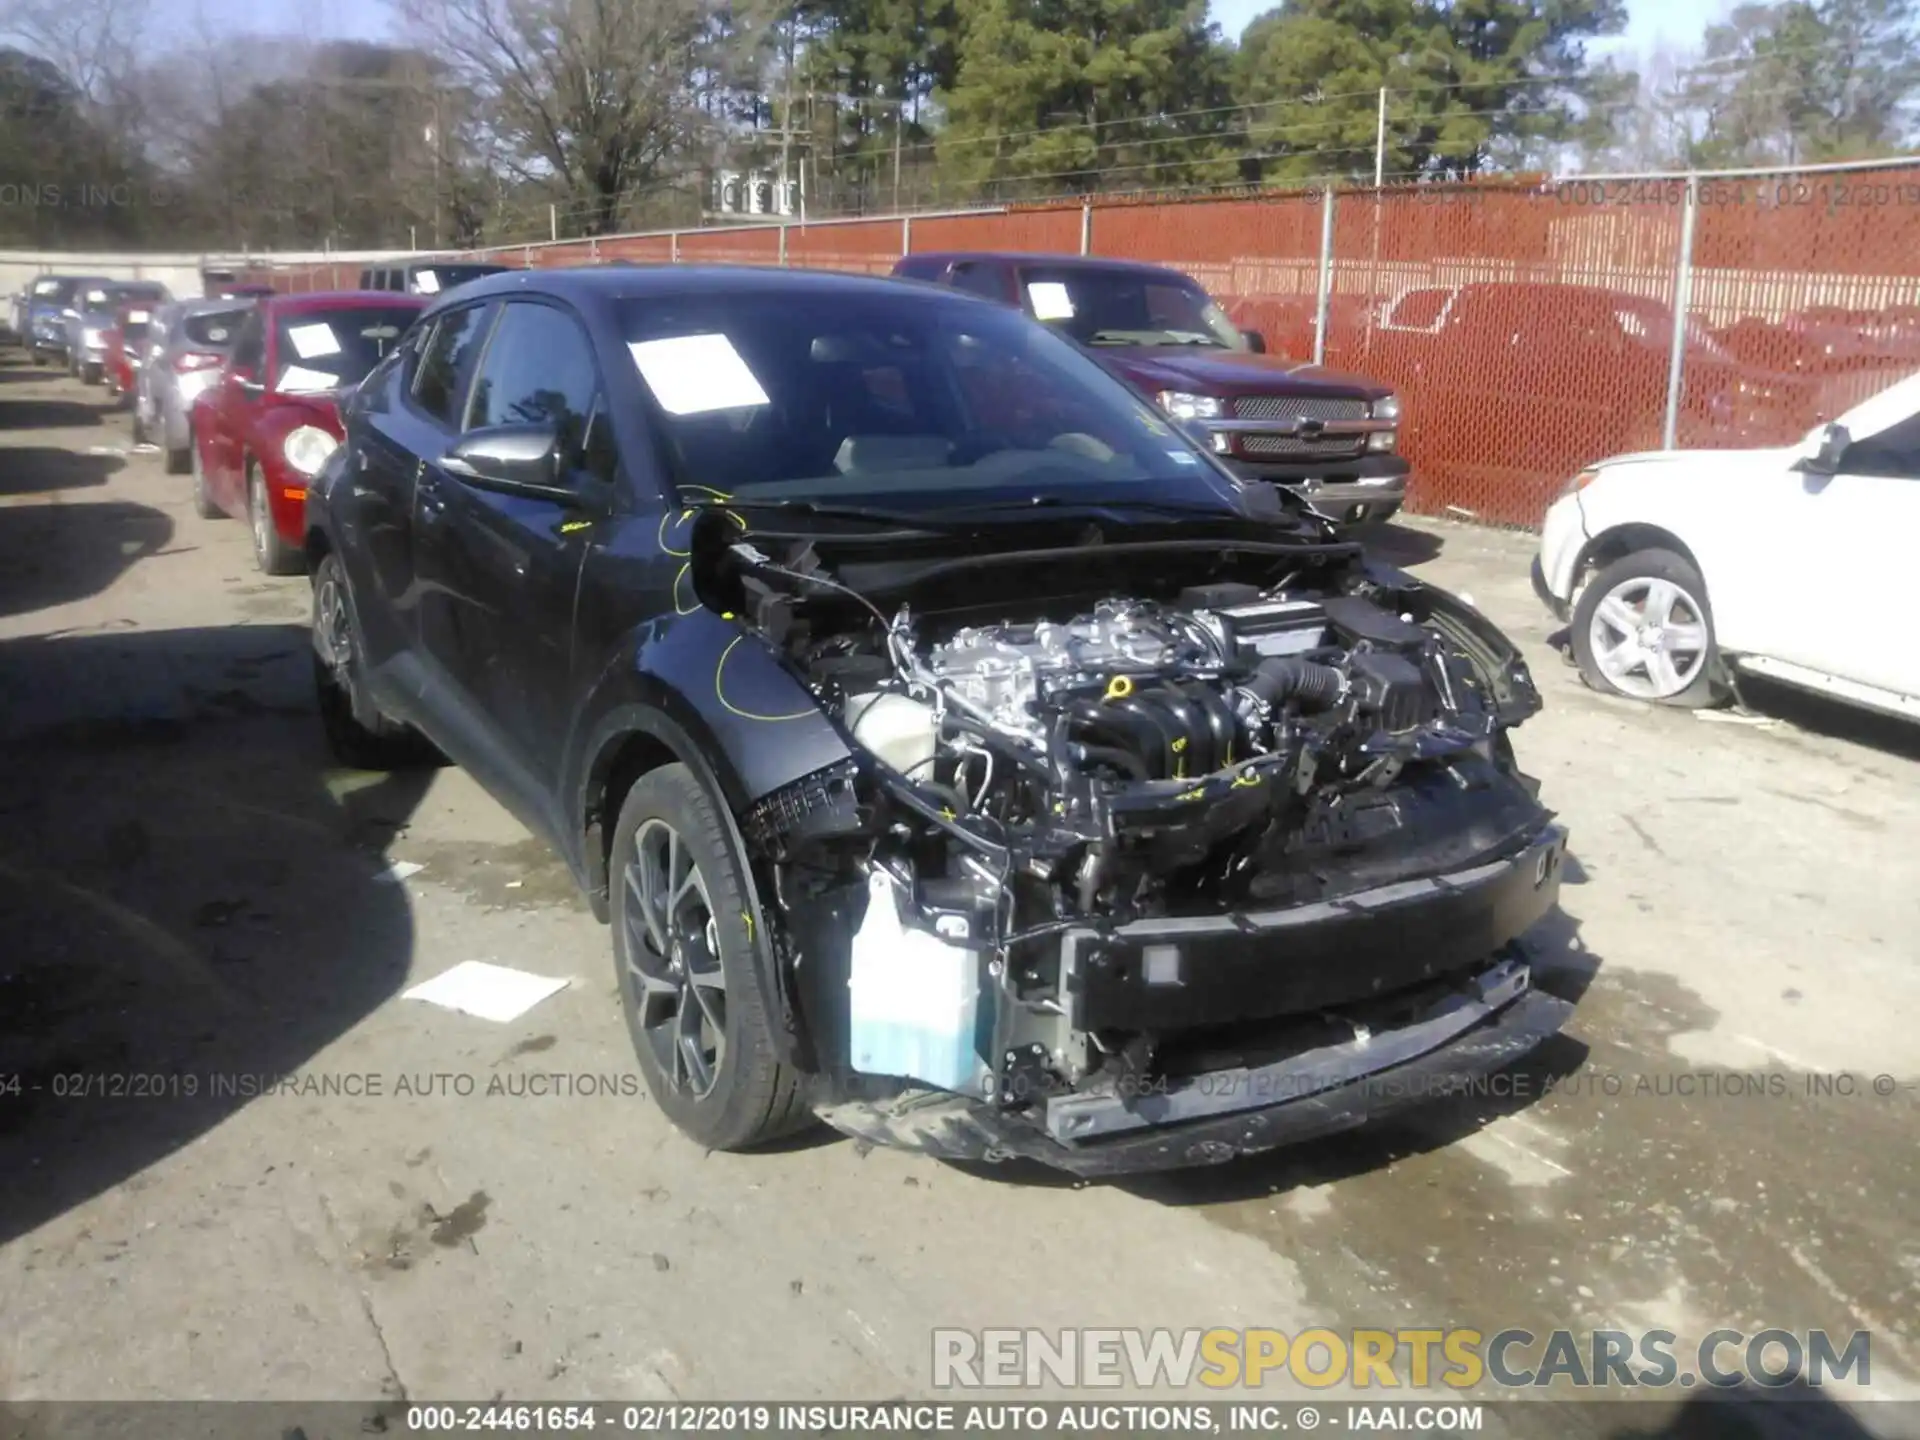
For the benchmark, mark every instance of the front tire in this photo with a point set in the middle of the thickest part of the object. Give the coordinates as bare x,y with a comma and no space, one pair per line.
1643,628
357,733
271,553
685,955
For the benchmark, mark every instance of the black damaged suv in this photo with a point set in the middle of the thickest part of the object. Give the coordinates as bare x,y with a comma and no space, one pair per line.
958,752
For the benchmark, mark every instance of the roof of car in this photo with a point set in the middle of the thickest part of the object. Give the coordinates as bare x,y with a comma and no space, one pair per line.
590,283
337,300
1042,257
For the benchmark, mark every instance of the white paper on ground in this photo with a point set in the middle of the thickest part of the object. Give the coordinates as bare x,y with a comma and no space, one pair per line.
396,872
491,992
297,380
310,342
1050,300
696,374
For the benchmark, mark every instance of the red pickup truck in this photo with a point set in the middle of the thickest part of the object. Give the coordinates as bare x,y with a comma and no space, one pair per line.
1329,438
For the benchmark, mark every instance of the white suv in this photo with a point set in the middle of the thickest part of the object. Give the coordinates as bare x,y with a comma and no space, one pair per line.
1675,567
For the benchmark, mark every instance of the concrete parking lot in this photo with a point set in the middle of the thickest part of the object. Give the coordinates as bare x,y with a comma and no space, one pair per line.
188,887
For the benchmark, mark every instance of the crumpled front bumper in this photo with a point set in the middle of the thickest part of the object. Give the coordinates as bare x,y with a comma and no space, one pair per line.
1483,1015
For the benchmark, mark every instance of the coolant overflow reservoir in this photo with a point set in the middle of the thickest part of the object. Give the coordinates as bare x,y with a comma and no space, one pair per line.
900,731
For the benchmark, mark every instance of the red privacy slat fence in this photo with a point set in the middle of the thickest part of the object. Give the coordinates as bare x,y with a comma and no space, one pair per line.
1530,328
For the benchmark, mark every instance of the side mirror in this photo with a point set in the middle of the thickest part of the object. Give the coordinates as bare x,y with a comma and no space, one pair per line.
1256,342
514,459
1823,449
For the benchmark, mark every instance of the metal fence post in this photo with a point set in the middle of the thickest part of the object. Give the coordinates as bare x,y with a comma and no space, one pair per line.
906,234
783,242
673,247
1086,227
1682,298
1326,279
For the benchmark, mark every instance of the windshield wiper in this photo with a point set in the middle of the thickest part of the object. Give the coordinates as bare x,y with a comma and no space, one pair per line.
794,505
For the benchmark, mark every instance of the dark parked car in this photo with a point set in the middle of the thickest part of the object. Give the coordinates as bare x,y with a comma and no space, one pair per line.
51,301
958,751
426,279
1331,438
260,433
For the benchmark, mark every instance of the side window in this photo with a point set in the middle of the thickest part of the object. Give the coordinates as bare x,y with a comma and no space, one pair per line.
1894,452
539,370
977,279
250,345
441,379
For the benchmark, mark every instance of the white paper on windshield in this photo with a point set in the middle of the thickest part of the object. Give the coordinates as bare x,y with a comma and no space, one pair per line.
136,317
696,374
1050,300
1183,457
310,342
427,283
299,381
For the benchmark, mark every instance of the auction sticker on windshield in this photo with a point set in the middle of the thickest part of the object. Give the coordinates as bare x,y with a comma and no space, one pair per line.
298,380
696,374
310,342
1050,300
427,283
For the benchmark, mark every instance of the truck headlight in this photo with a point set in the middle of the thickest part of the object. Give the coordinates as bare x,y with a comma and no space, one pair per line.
1387,407
1182,406
307,449
1381,441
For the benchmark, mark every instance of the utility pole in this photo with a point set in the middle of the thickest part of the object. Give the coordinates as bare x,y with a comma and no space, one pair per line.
899,123
1380,143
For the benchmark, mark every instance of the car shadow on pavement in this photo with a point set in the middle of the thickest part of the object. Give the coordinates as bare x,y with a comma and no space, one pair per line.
47,559
191,897
47,415
1823,715
1752,1412
37,469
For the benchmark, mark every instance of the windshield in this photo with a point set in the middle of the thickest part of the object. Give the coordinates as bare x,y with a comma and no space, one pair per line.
213,329
331,349
893,398
1120,307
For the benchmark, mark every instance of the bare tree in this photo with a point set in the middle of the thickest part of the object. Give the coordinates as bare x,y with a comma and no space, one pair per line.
591,99
94,42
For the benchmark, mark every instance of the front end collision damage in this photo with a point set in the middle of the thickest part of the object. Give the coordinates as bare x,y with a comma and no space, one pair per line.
1116,880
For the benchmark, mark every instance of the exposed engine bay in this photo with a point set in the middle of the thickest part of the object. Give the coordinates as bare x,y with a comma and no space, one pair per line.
1065,868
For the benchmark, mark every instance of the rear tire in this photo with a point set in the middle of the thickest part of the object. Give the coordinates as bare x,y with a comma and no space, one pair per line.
1643,628
359,736
203,501
685,956
273,555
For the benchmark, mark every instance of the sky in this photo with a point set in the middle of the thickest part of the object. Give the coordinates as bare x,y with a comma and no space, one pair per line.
1680,23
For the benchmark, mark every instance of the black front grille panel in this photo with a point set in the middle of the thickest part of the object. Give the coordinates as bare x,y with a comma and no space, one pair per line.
1292,447
1296,407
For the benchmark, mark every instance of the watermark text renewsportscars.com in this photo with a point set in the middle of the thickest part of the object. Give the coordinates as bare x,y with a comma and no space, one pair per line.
1412,1358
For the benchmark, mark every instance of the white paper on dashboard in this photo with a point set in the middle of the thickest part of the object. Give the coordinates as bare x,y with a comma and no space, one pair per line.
310,342
1050,300
297,380
426,283
696,374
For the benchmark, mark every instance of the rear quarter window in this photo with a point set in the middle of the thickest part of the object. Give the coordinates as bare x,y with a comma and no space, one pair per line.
216,330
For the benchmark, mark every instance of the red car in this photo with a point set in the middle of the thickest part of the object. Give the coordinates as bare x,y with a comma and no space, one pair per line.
262,431
125,348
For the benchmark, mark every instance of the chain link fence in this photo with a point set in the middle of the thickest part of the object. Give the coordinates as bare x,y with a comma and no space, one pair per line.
1530,329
